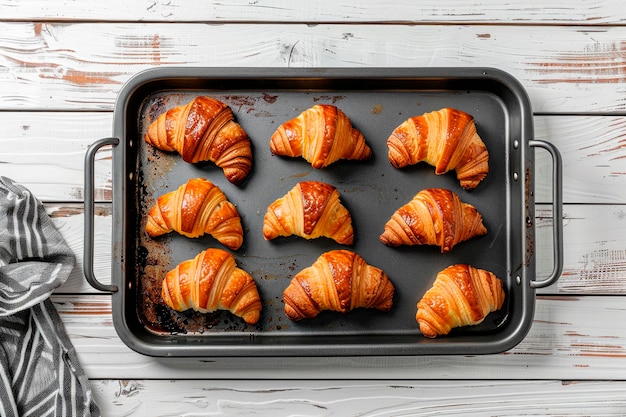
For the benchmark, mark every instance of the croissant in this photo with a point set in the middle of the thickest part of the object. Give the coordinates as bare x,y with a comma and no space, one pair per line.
310,210
435,216
212,281
195,208
460,296
339,280
322,135
204,130
446,139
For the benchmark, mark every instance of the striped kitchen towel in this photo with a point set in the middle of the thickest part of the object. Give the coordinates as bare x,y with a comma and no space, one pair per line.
39,371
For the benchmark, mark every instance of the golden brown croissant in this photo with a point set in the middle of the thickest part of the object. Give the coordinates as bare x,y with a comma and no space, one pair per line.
460,296
195,208
339,280
310,210
204,130
322,135
435,216
446,139
209,282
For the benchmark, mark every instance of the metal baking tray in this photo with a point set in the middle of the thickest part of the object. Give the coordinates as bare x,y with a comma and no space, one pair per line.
376,100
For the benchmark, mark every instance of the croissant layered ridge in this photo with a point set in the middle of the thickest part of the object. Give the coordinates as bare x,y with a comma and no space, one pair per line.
435,216
204,130
461,295
321,135
341,281
311,209
196,208
212,281
446,139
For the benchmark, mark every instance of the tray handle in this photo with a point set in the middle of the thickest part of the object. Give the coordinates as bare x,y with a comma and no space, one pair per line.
557,213
89,214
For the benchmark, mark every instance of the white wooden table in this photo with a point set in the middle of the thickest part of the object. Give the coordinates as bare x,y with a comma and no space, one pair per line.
62,64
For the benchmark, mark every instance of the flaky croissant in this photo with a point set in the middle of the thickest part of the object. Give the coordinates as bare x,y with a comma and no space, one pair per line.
195,208
435,216
204,130
460,296
321,135
446,139
212,281
310,210
339,280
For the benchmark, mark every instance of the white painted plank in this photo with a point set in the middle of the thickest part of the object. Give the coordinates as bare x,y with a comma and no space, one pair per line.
594,258
488,11
83,65
570,339
358,398
45,152
569,57
594,249
594,158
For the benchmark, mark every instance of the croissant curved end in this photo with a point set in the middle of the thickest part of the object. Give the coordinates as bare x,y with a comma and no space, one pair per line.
427,330
232,242
446,139
251,317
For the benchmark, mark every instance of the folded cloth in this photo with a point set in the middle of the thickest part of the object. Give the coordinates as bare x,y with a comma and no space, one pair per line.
39,371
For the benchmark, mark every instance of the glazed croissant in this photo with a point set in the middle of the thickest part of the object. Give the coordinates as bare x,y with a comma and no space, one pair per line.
446,139
460,296
209,282
310,210
204,130
322,135
195,208
339,280
435,216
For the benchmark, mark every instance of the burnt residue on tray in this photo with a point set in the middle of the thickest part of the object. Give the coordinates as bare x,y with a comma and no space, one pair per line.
157,175
371,190
529,223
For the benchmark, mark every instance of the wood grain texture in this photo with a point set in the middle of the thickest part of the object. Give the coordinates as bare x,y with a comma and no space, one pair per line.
359,398
565,69
594,158
594,260
63,63
69,221
565,342
578,12
46,154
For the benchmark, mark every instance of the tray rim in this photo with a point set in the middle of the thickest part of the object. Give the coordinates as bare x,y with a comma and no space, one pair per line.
145,344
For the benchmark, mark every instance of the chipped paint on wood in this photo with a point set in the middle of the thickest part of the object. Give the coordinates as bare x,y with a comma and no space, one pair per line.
552,12
595,255
563,68
596,63
388,397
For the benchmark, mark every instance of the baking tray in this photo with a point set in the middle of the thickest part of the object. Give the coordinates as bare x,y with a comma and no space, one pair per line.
377,101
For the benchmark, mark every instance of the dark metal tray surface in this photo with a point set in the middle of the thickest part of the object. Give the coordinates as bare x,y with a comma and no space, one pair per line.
376,101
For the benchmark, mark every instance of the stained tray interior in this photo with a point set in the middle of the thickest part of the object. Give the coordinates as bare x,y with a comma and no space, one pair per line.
372,190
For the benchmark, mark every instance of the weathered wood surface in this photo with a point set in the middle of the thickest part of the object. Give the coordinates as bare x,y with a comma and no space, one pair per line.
63,63
82,66
568,340
360,398
578,12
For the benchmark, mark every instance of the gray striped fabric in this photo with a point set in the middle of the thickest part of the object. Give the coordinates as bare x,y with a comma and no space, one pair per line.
39,372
